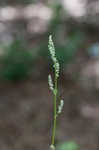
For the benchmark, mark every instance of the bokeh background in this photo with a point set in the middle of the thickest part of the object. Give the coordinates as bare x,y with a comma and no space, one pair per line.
26,104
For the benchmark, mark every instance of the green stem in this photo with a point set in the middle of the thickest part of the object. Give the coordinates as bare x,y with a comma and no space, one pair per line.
55,109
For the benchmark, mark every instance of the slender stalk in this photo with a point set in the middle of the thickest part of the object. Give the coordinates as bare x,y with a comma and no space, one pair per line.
55,109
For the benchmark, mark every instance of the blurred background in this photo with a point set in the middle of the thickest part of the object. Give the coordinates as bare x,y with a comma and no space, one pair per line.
26,104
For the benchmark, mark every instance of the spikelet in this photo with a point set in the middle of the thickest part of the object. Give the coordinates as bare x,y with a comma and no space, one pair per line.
57,69
52,147
60,107
50,82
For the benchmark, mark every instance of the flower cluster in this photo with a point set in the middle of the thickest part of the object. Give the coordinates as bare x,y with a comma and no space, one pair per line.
57,69
50,82
52,49
53,56
60,107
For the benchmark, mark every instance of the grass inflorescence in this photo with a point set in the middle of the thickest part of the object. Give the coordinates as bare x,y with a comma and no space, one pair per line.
53,86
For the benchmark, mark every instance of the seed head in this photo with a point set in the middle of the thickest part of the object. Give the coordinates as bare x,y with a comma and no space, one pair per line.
52,49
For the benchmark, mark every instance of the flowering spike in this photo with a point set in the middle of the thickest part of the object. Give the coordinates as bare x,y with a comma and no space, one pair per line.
54,88
52,49
53,57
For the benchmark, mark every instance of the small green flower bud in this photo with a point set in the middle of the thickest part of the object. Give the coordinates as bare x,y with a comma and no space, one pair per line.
54,59
52,147
55,91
